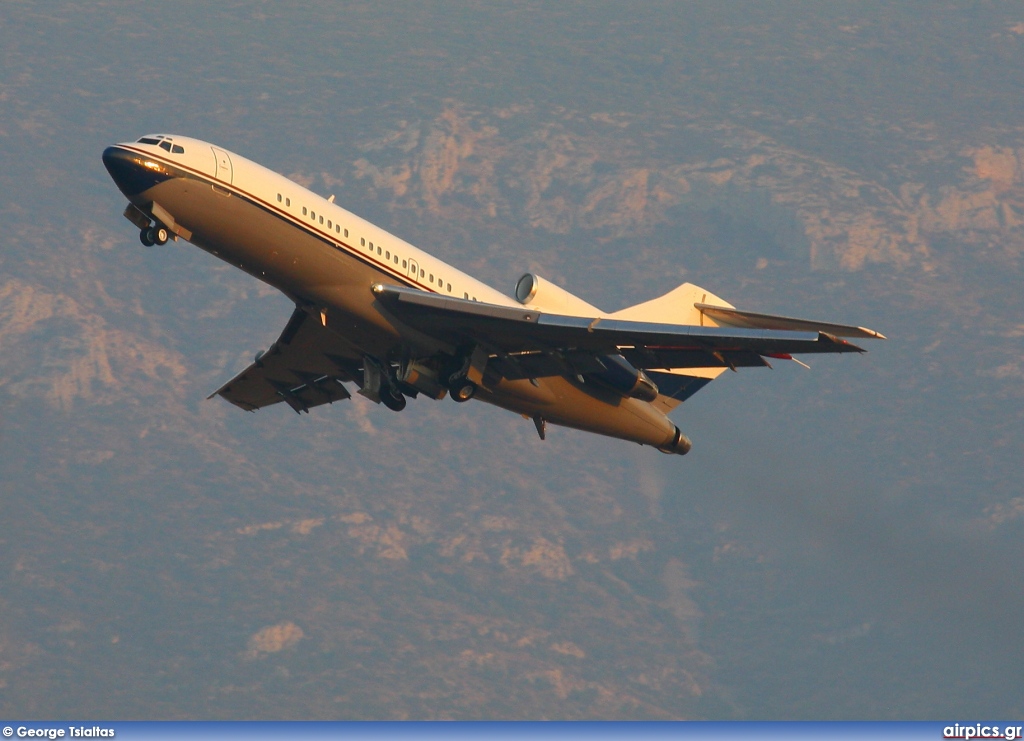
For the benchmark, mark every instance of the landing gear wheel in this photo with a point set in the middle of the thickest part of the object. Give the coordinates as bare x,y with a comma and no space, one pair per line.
154,235
461,389
393,399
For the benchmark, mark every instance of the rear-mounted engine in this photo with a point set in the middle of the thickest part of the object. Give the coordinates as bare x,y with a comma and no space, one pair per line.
619,375
532,290
680,444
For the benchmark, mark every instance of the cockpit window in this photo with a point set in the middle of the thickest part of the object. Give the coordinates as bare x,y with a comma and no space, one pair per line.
164,142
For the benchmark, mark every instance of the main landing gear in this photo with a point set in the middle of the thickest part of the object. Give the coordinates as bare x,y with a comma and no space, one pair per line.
155,234
461,388
468,374
380,385
385,384
392,398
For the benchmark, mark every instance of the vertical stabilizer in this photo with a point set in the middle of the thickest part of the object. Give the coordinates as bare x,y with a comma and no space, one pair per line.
678,307
675,307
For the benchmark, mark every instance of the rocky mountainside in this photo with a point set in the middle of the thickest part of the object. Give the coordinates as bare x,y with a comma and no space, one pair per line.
840,543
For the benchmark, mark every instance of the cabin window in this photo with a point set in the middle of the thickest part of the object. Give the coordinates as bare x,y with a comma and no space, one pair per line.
362,241
396,259
449,287
321,219
421,273
304,212
337,228
387,255
405,263
379,250
312,215
278,197
346,232
465,295
431,277
287,201
329,225
177,149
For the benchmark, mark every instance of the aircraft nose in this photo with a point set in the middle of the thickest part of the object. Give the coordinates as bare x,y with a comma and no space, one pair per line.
132,173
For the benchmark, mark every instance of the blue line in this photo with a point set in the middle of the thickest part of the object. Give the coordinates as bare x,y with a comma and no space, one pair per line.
534,731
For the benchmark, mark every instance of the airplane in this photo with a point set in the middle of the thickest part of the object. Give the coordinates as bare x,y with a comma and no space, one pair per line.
375,312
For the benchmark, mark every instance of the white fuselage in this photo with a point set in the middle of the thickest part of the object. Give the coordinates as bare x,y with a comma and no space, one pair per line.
326,259
310,212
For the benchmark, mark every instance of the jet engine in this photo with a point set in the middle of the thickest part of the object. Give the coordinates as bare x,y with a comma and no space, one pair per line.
679,444
619,375
532,290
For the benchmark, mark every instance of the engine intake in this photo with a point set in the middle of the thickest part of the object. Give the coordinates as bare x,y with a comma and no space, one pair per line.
532,290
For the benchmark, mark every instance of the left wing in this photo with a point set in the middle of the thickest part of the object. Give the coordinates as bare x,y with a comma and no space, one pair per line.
530,343
304,368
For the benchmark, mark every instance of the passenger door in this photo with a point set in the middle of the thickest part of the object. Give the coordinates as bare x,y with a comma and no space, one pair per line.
223,169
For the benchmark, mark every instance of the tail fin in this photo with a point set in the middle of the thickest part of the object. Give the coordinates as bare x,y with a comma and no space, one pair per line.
690,304
678,306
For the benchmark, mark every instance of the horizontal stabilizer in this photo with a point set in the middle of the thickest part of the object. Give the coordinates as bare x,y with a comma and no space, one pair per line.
736,318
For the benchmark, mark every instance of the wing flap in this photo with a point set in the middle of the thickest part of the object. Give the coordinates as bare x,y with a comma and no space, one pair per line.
304,368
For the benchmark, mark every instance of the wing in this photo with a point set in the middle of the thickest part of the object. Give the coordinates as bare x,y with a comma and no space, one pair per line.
736,318
304,368
526,343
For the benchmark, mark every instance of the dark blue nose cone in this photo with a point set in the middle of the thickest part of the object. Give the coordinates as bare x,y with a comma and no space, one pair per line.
133,173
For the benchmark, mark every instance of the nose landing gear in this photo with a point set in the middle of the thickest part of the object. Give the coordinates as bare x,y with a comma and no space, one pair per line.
156,234
155,226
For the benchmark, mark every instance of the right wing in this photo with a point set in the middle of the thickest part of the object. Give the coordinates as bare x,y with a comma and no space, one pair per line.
304,368
728,316
527,343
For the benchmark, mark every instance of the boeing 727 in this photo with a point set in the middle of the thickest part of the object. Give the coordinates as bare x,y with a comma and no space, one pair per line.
374,312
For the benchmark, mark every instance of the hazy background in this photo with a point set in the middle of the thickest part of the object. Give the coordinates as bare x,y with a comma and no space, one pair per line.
841,543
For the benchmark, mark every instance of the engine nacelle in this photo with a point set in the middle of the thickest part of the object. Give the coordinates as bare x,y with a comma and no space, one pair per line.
619,375
679,444
532,290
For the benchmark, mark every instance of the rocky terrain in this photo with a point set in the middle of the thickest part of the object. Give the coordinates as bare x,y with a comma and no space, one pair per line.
842,543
